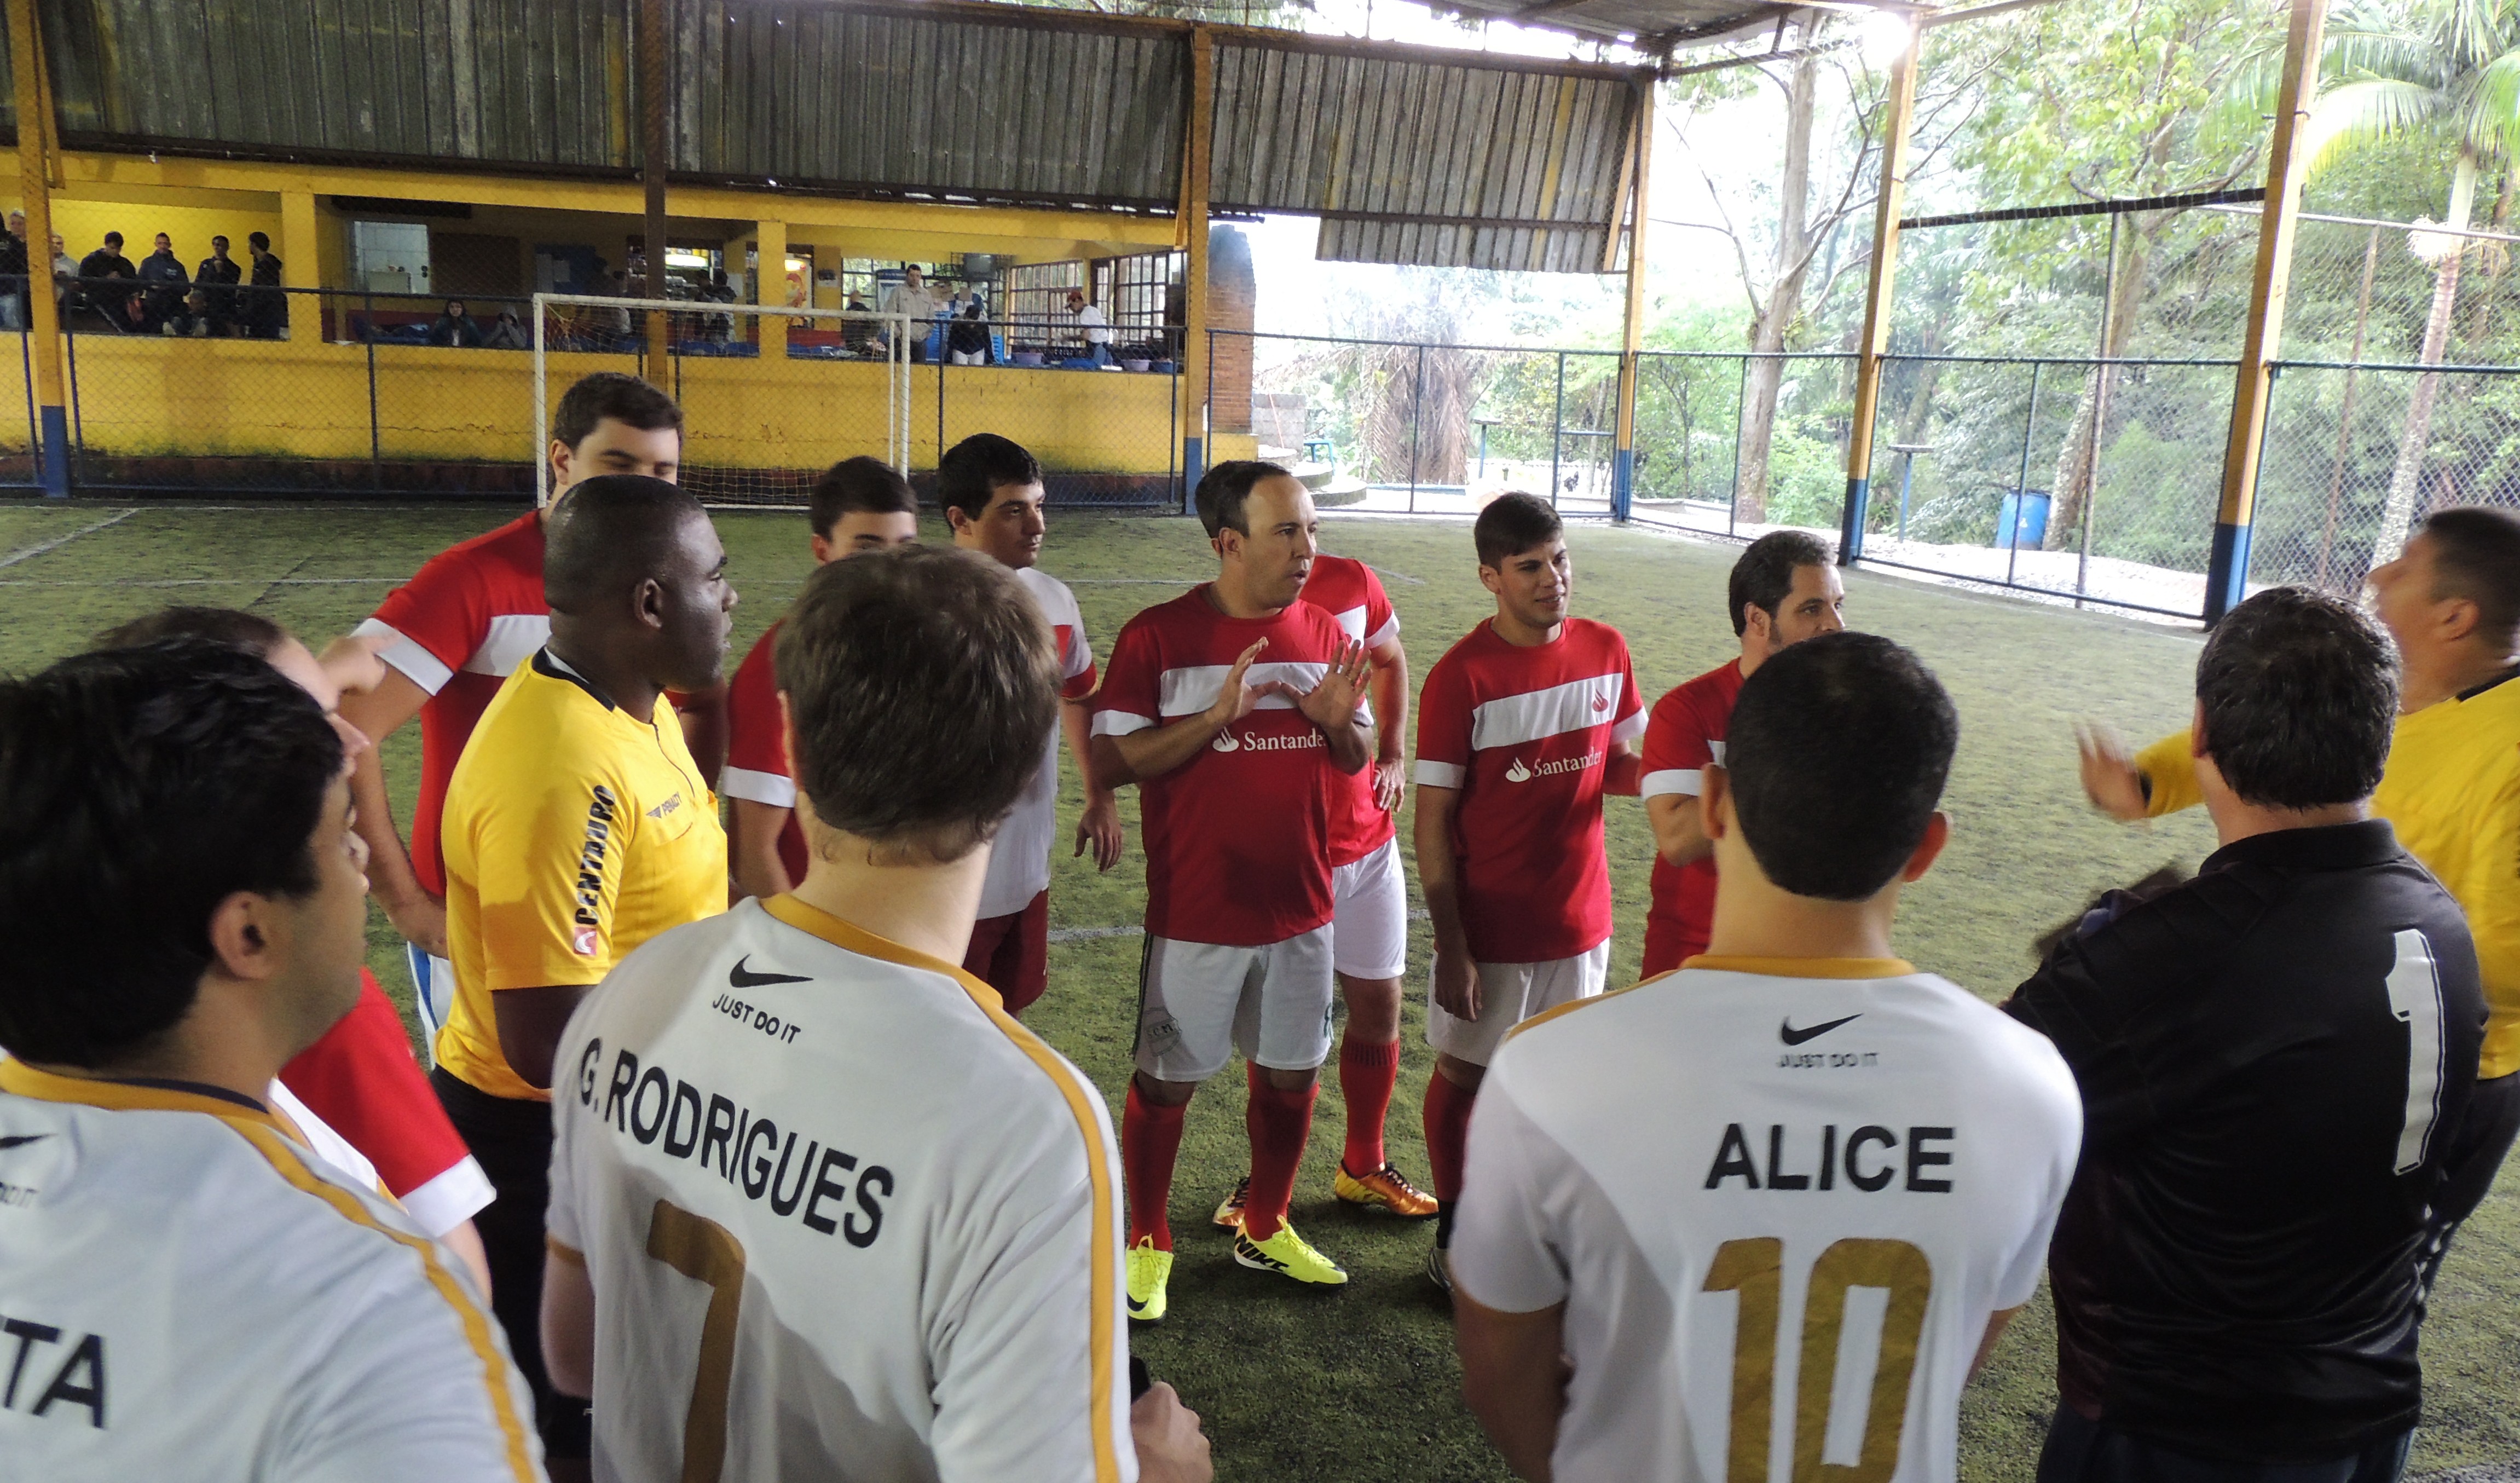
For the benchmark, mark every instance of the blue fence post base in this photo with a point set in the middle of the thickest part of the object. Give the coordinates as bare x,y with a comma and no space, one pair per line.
2226,574
53,448
1623,483
1850,536
1194,468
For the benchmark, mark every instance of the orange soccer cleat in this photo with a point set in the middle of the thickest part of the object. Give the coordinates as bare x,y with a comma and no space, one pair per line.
1386,1186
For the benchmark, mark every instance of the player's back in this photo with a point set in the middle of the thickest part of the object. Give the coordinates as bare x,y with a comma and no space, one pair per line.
1782,1209
190,1294
838,1206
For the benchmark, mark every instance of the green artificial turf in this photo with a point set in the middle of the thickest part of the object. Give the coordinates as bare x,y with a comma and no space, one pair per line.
1362,1383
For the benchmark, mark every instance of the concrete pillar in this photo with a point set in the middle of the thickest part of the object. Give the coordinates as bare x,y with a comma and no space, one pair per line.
770,283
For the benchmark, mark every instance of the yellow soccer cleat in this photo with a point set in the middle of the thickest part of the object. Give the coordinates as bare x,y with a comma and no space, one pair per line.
1148,1271
1229,1211
1288,1255
1388,1188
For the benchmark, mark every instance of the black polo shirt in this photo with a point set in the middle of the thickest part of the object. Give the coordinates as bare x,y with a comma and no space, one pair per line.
2271,1058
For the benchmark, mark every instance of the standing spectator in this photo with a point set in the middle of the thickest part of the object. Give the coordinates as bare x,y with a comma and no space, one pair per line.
614,322
217,278
106,262
909,298
455,328
2275,1061
1098,329
13,274
966,343
508,333
858,337
266,308
720,327
165,273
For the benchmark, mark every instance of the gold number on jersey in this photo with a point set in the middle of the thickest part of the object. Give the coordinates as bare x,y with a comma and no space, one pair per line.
1754,1268
702,1250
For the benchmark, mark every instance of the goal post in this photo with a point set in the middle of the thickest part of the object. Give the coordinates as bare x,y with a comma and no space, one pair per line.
771,396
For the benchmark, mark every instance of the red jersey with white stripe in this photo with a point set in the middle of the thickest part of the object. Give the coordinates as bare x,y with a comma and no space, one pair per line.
1350,593
1683,738
361,1079
1524,734
756,756
460,626
1237,838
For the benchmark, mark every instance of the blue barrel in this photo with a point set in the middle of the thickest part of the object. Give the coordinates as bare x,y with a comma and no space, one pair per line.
2021,521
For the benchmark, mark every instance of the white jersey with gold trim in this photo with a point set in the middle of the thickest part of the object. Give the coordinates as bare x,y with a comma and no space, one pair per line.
186,1292
845,1219
1779,1200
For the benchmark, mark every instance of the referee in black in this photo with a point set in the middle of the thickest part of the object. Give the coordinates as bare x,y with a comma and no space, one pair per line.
2269,1057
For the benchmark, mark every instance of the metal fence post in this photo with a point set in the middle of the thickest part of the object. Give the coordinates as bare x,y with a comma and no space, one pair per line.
1557,430
2022,484
1417,415
376,426
1741,409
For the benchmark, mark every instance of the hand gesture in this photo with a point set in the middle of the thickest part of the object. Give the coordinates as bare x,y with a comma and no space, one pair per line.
1331,702
1387,785
1101,827
2109,777
1235,697
350,661
1457,983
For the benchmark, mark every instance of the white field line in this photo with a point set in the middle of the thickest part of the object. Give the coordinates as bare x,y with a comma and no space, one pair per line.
58,541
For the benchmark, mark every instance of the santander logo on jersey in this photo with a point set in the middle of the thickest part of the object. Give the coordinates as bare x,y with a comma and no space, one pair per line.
1516,772
1228,741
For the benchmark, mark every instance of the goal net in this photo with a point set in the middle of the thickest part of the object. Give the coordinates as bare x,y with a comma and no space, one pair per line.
771,396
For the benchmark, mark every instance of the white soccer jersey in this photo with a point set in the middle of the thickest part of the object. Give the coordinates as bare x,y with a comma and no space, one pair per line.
189,1294
1778,1210
845,1219
1020,859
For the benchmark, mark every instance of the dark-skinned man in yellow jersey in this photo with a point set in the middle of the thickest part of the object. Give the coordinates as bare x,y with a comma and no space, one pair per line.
577,828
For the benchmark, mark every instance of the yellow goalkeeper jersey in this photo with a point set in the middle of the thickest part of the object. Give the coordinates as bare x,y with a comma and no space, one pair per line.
2451,791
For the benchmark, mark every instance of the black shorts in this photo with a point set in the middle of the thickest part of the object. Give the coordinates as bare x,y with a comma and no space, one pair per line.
513,1141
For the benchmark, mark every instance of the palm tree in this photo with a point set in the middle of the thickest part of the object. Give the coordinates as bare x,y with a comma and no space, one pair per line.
2448,68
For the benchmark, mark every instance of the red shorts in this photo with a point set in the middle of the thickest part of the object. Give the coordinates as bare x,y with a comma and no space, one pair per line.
1010,953
1668,944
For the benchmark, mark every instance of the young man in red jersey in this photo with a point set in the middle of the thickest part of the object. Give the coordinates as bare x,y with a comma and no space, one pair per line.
1369,902
1785,588
1522,728
1235,709
992,492
859,505
459,627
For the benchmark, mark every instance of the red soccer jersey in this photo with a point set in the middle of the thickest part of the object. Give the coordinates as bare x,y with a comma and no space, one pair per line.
1525,736
1684,738
460,626
1350,593
1237,838
361,1079
756,749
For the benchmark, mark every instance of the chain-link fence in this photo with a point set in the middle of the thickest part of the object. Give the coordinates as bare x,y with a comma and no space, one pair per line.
1103,417
1738,445
1394,426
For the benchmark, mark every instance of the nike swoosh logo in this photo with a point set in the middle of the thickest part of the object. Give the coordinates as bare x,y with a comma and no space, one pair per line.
22,1140
744,978
1134,1306
1787,1032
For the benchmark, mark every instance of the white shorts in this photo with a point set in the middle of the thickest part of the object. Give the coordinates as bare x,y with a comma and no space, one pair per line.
432,993
1511,993
1198,1003
1369,915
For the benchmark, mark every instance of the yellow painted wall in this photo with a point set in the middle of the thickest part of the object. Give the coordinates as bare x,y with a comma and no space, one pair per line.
303,398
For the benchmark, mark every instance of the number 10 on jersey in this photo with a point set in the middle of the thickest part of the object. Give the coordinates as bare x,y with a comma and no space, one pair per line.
1754,1267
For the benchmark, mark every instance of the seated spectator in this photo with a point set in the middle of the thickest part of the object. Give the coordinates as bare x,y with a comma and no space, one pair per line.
217,278
13,274
106,262
190,319
166,279
967,342
508,333
181,890
266,307
455,328
719,327
859,337
2274,1059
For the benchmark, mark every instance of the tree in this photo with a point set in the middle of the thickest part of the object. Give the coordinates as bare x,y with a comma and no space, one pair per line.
2450,69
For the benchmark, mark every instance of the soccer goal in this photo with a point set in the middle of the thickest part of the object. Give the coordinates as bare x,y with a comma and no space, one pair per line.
771,396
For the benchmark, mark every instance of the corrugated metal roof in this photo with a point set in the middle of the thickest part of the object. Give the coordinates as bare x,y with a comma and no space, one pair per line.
1648,25
951,104
1410,155
1449,161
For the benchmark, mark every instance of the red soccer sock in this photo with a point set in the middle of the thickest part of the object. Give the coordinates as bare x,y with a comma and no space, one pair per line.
1448,1134
1278,1122
1150,1137
1366,1075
